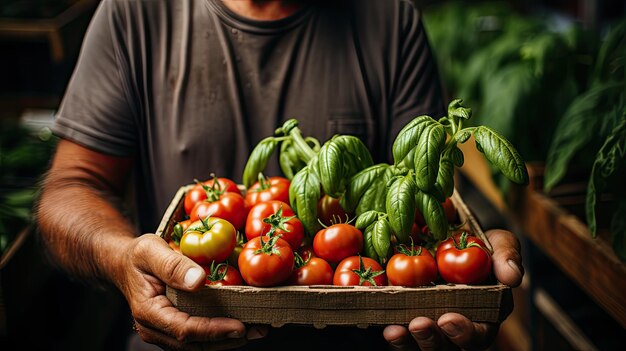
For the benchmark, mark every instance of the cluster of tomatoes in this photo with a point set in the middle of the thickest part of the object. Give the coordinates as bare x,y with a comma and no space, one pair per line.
257,240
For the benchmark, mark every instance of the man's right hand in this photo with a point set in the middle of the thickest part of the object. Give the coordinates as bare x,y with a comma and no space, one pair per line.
147,266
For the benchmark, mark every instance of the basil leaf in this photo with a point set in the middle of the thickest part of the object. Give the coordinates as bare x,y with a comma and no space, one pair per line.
288,159
365,219
610,160
427,155
457,156
339,159
408,137
368,243
462,136
445,177
361,183
433,213
381,237
456,110
258,159
400,205
330,166
501,153
304,193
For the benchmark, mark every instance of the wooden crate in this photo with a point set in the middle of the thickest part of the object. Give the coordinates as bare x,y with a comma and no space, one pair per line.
331,305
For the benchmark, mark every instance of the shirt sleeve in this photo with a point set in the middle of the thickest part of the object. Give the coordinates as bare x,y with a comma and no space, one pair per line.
96,110
417,88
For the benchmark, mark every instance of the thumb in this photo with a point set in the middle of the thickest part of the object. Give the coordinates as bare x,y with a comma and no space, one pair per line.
171,267
507,261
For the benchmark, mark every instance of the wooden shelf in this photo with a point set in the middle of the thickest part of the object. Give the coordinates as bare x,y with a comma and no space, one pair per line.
562,236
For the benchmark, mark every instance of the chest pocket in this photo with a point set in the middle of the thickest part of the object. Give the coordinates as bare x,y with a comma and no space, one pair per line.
351,123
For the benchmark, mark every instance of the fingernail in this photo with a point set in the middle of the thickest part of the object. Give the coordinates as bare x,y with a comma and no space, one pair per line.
254,333
515,267
451,329
234,335
192,276
422,334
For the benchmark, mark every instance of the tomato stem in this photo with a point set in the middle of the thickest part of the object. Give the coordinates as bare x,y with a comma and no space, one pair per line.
366,275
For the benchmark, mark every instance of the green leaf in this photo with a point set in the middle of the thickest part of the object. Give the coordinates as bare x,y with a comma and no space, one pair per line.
457,157
381,237
304,193
610,160
400,205
368,243
339,159
428,152
462,136
288,159
457,110
362,183
258,159
331,168
501,154
445,177
577,129
366,219
433,213
409,136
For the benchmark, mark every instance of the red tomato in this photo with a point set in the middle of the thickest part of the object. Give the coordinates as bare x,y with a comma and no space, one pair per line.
256,226
229,206
266,261
358,270
174,246
463,261
411,267
329,211
222,275
456,240
272,188
199,193
338,242
209,240
315,271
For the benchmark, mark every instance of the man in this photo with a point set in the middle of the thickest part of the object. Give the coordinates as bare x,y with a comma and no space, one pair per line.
169,91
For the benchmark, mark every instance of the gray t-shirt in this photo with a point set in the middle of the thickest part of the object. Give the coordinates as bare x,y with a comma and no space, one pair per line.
188,87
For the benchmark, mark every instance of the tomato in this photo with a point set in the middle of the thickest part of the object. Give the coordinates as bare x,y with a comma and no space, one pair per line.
228,206
411,267
199,191
358,270
178,231
209,240
338,242
222,275
266,261
449,210
265,214
266,189
233,258
174,246
455,240
463,261
314,271
306,252
329,211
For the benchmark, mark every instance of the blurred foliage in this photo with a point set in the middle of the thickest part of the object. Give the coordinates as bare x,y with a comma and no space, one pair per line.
558,95
24,157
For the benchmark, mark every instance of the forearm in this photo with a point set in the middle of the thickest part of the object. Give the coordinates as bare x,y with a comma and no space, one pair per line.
82,228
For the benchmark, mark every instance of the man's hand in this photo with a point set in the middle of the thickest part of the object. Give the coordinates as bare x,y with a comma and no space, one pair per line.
452,330
148,266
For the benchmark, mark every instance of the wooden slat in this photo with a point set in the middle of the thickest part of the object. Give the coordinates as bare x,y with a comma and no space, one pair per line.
591,263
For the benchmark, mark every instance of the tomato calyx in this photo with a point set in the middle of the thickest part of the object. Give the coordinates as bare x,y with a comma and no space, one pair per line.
463,244
336,220
264,183
213,192
277,221
300,261
410,251
268,247
366,275
217,273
